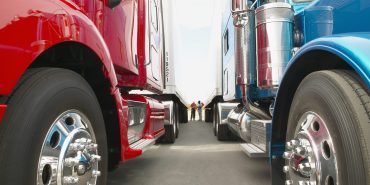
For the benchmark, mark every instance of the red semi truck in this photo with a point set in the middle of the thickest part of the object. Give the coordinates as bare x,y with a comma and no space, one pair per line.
66,70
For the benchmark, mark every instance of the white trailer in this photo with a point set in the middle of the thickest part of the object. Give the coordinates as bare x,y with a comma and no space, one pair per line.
216,47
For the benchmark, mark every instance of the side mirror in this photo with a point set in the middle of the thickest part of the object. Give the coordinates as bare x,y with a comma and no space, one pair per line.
113,3
238,6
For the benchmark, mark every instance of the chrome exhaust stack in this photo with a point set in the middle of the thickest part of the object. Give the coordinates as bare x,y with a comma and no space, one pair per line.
245,52
263,43
244,37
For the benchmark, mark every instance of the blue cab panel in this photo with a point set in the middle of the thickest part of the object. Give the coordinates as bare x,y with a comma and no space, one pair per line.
341,27
328,17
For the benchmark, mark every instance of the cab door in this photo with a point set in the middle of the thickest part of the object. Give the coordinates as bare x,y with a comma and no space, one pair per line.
120,34
154,66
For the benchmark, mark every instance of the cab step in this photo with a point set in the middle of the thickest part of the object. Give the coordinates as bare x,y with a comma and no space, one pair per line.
260,139
142,144
252,150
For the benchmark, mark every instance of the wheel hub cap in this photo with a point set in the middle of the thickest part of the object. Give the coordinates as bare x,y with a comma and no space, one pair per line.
310,157
69,154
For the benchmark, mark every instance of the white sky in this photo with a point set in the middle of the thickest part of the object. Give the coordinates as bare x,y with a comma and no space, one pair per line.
196,36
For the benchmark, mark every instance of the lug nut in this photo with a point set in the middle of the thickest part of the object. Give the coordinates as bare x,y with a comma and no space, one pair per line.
305,167
81,169
300,151
76,147
295,142
289,145
292,144
91,146
286,169
308,149
96,173
288,182
83,140
95,158
306,170
71,162
70,180
288,155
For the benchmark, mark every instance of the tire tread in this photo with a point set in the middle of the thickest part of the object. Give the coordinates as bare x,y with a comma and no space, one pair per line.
362,93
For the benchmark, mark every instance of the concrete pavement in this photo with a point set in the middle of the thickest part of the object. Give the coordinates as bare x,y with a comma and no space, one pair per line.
196,158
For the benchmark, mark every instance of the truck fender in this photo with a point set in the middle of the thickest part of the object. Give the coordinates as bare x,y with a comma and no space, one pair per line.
344,51
29,28
48,23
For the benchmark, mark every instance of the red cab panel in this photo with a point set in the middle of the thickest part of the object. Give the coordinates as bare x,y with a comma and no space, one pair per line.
120,34
138,62
2,111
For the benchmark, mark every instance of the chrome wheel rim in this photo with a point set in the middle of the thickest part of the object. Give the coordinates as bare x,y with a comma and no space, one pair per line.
69,154
310,157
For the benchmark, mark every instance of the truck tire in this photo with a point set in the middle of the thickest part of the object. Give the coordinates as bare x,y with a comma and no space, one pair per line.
208,114
223,132
329,125
183,116
171,131
215,118
52,115
177,130
176,113
170,134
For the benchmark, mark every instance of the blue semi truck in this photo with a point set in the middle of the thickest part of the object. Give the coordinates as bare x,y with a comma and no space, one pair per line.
295,88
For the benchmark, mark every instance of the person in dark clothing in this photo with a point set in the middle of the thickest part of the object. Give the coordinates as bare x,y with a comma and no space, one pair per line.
193,107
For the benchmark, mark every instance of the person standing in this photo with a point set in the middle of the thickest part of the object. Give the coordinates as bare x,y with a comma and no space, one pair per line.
200,107
193,107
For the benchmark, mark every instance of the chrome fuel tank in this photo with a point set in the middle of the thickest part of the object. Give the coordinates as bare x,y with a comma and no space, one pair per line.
245,52
274,38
